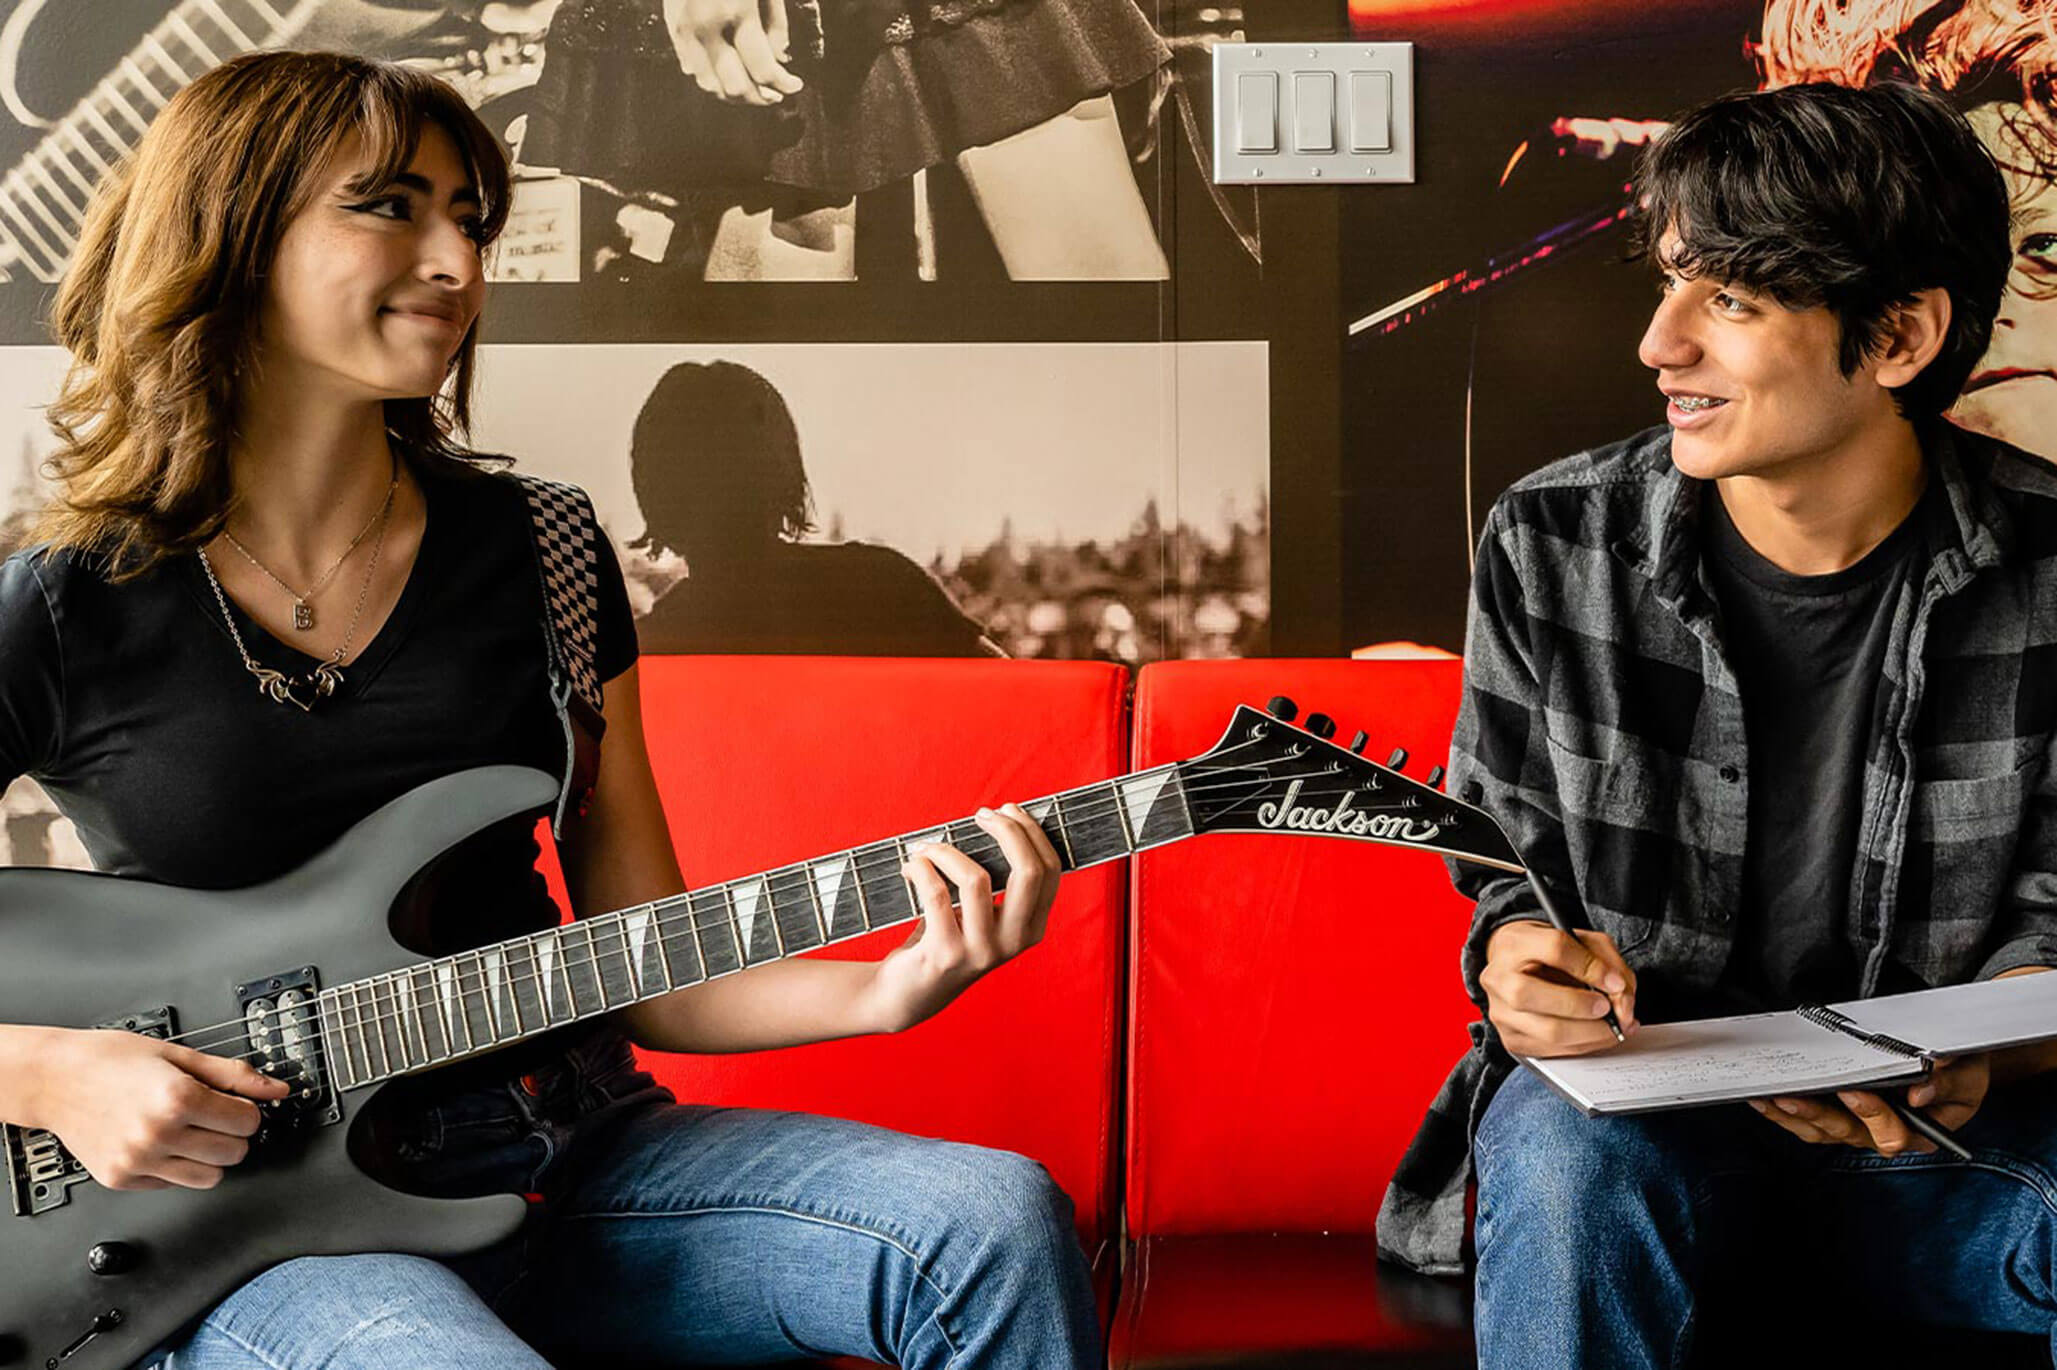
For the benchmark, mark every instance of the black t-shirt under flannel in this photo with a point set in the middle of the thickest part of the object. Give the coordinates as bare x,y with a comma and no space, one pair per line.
1809,655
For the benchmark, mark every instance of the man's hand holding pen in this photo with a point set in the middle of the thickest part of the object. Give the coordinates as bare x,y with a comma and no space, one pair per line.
1548,993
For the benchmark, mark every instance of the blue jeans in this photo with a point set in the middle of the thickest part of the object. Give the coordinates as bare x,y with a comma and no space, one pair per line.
685,1235
1601,1239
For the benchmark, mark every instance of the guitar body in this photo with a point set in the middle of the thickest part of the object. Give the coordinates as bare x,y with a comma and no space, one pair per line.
81,950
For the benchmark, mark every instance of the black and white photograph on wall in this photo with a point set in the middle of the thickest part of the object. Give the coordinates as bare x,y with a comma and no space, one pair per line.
1085,501
1052,500
663,144
1057,500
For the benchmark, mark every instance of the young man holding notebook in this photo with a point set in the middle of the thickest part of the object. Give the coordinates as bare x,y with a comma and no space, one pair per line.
1770,692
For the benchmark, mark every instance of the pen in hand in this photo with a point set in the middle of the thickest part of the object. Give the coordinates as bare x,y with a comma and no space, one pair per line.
1559,922
1929,1128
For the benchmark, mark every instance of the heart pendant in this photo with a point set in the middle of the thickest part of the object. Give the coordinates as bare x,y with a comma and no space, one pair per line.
318,684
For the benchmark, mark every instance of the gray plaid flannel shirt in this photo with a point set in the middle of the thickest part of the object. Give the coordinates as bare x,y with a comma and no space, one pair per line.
1601,725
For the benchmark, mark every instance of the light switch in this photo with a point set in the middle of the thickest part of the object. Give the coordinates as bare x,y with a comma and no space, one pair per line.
1257,112
1371,111
1314,111
1327,114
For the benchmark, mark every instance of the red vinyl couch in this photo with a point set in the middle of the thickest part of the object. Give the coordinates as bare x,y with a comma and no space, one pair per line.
1273,971
1221,1047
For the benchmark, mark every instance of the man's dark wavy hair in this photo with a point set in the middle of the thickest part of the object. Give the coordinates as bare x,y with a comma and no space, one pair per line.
1853,199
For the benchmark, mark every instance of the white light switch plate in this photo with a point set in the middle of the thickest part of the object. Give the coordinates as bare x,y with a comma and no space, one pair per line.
1368,106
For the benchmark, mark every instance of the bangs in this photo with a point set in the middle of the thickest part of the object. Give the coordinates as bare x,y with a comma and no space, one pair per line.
397,105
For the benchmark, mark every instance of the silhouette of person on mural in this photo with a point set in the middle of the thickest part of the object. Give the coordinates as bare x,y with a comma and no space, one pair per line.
715,458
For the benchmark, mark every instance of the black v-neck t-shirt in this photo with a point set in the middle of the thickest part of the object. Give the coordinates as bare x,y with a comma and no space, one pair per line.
130,705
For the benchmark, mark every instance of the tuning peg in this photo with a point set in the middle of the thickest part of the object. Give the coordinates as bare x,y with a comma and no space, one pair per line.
1357,742
1321,725
1283,709
1435,777
1398,760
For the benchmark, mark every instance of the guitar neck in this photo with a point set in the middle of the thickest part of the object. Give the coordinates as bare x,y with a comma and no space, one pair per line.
455,1007
43,197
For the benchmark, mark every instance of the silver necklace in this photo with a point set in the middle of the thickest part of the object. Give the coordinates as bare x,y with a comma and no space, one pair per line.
321,682
303,609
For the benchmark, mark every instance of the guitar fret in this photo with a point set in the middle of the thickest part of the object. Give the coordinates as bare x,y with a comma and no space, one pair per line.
453,1011
127,110
102,165
388,1008
1064,831
863,900
525,980
116,142
144,87
736,927
678,936
190,36
792,916
720,961
370,989
271,16
165,60
371,1068
589,963
8,207
57,157
811,878
631,959
571,991
410,1017
425,1015
471,985
636,946
72,210
342,1075
1128,834
23,193
229,27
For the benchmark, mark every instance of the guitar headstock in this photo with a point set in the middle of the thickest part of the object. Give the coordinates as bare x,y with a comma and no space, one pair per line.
1269,775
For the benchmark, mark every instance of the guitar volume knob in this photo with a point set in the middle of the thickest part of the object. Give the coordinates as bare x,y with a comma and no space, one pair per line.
112,1258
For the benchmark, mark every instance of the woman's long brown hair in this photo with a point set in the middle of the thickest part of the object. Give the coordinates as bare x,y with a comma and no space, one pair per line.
160,309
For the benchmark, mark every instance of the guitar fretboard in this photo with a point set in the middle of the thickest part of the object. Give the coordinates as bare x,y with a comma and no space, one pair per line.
43,196
459,1006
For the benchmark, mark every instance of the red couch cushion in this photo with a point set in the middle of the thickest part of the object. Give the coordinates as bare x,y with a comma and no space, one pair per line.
765,760
1294,1001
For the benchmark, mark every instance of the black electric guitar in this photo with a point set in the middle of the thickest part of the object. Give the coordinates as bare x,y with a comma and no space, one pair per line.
305,978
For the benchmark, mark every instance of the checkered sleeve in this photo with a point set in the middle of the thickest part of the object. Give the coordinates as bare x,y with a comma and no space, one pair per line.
1499,757
2027,931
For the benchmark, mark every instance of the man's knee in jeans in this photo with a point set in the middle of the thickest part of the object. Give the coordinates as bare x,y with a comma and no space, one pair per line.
1557,1182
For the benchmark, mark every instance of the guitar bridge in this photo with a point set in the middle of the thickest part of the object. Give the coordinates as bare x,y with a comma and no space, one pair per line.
40,1171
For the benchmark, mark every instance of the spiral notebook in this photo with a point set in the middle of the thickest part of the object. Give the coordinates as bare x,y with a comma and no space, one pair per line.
1815,1049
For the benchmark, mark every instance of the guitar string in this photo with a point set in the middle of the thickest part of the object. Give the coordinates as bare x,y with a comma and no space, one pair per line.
471,985
473,982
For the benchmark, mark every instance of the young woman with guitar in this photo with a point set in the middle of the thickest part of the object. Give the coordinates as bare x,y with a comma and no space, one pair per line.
274,594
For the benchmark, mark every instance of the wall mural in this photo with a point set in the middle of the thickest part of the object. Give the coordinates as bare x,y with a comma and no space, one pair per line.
1491,319
922,304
